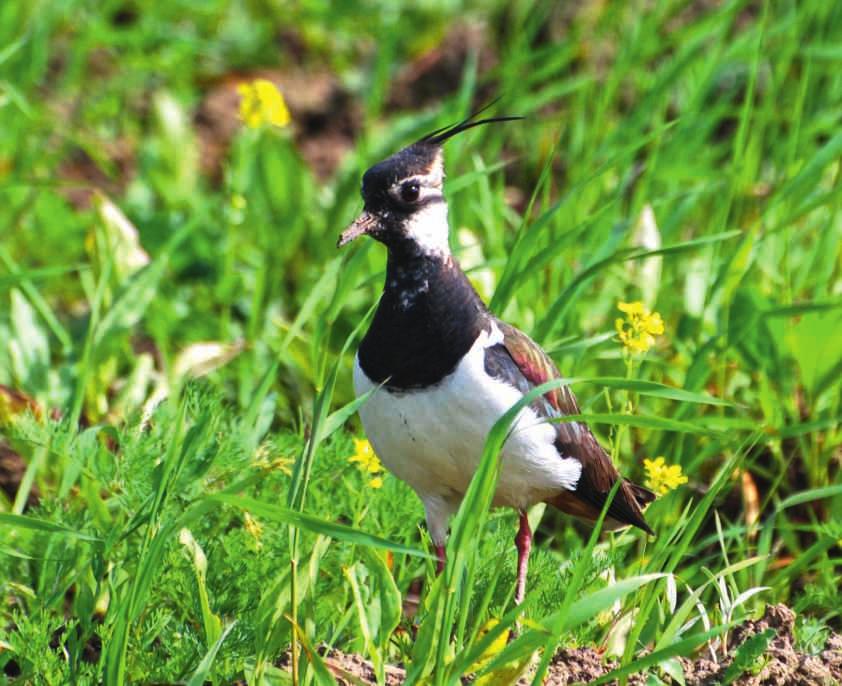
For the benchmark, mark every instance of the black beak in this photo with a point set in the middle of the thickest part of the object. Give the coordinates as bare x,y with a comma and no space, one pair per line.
365,223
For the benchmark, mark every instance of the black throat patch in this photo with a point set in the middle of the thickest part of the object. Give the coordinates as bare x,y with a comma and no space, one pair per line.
428,318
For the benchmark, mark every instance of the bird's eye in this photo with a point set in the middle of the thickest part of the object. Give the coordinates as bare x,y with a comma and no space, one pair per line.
410,191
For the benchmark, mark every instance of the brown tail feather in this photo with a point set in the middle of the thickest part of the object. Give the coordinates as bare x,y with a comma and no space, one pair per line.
626,506
624,510
643,495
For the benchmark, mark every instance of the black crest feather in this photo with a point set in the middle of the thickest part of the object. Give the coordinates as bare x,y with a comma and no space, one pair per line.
439,136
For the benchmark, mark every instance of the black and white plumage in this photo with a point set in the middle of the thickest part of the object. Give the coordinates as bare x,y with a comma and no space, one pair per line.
446,369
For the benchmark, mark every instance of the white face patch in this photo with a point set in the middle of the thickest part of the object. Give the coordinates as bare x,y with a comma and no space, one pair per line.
427,227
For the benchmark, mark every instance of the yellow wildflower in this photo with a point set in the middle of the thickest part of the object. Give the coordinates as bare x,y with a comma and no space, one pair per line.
661,477
492,650
508,673
283,464
364,456
265,459
367,462
254,528
638,330
13,404
261,103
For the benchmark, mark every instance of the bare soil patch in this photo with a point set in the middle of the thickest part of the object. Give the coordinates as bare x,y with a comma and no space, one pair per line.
437,73
779,665
326,118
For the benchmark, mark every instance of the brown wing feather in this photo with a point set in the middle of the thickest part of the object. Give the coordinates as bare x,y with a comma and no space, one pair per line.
576,440
537,367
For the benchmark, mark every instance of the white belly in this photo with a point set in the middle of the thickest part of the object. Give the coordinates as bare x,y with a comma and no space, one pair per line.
433,438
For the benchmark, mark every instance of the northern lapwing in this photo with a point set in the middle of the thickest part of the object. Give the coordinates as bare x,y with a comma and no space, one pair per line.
445,369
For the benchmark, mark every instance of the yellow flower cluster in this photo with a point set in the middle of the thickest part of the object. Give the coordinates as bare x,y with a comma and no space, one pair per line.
265,459
661,477
261,103
638,330
496,647
254,529
367,462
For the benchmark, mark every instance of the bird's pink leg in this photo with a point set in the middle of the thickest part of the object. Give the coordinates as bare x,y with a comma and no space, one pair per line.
440,553
523,541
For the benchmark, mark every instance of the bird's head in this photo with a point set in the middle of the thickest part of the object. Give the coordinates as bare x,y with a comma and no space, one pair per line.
404,205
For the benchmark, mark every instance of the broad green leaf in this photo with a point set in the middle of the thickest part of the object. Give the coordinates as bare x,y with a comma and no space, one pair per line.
814,343
590,606
337,418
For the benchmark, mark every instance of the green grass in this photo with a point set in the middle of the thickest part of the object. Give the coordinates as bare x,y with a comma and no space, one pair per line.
149,450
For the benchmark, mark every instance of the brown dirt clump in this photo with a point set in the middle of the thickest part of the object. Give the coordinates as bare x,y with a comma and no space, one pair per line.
581,666
437,73
353,669
779,665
